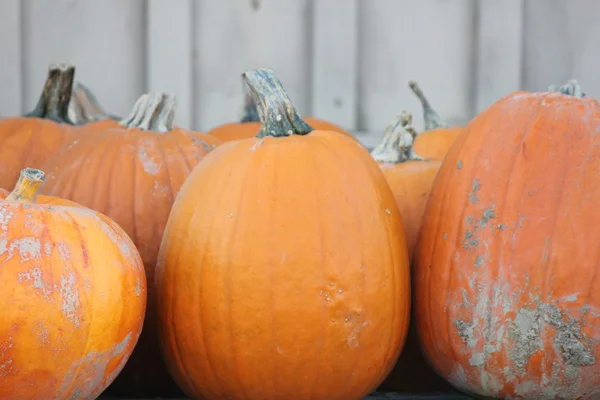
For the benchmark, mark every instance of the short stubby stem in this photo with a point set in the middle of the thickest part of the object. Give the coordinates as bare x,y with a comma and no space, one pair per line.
153,111
53,103
29,184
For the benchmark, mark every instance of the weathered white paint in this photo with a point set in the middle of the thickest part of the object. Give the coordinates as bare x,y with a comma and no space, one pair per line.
344,60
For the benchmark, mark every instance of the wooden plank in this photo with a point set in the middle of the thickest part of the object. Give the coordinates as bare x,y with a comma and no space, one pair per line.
499,50
428,41
170,60
10,58
104,39
236,35
561,43
334,64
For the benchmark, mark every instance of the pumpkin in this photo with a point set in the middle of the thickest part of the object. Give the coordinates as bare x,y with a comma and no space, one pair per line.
29,140
250,125
84,107
436,139
283,272
505,274
410,176
73,290
132,173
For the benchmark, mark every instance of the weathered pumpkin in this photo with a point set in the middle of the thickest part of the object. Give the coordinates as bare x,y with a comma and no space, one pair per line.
29,140
250,125
506,270
410,176
437,137
132,173
84,107
283,272
72,293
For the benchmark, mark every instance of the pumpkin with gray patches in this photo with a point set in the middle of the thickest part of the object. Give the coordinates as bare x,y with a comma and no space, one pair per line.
131,172
507,294
72,293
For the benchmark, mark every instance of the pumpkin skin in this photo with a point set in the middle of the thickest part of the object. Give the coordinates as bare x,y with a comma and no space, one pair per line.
137,169
29,140
505,274
80,288
436,139
271,284
250,125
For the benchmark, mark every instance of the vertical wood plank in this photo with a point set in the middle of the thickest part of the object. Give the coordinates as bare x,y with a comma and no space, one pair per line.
236,35
170,61
10,58
562,42
499,50
334,64
429,41
104,39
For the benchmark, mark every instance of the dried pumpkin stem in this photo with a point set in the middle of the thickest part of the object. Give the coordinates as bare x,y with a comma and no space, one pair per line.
54,101
27,187
275,109
84,106
571,88
431,118
250,112
152,112
396,145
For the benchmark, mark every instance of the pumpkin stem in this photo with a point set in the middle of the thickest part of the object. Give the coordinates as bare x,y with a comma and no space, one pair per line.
84,106
152,112
571,88
250,112
431,118
53,103
27,187
275,109
397,141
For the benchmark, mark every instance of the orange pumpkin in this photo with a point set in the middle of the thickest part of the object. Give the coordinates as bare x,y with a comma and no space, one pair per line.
283,266
136,169
506,271
72,292
434,142
250,125
84,107
410,177
28,141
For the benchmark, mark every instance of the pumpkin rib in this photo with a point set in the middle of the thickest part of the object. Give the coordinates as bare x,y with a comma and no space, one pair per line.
184,158
167,170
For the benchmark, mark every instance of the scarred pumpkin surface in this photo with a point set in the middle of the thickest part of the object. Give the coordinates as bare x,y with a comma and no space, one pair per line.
72,294
284,271
507,291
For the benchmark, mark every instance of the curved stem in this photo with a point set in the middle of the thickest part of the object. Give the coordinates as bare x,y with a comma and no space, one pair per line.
54,101
431,118
275,109
27,187
250,112
571,88
397,141
84,106
152,112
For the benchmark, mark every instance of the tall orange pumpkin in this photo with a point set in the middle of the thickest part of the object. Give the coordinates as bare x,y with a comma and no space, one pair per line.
283,272
132,173
29,140
436,139
72,294
250,125
506,281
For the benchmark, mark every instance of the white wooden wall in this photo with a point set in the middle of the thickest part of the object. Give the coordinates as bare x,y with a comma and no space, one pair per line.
344,60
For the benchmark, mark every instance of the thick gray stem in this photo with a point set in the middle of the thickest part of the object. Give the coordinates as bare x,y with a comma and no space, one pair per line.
397,141
571,88
152,112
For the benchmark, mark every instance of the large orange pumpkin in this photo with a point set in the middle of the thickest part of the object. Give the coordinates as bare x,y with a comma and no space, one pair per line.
436,139
28,141
410,176
283,272
132,173
72,294
250,125
506,281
